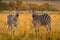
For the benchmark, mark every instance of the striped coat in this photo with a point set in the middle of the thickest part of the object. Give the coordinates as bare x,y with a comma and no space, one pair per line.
43,19
12,20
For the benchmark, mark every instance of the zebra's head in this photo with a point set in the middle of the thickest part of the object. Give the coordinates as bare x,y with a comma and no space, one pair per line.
17,15
33,11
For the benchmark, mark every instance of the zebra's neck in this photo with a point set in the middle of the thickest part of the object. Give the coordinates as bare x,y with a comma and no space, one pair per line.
17,13
34,13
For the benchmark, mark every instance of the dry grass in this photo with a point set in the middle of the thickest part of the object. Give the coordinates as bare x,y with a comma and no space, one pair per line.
24,31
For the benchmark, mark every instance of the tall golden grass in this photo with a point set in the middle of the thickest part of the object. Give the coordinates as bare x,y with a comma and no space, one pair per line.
24,31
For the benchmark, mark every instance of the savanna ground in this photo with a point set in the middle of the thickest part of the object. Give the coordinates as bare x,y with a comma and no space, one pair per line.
25,30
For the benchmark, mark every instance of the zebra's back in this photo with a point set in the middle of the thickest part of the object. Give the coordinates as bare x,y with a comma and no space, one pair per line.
45,19
11,20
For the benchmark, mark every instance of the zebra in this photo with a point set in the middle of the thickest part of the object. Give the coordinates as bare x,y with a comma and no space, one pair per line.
12,20
42,20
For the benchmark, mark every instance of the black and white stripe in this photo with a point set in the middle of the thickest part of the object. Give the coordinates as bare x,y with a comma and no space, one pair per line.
12,20
43,19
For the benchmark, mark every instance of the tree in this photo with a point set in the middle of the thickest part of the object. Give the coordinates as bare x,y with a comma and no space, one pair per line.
0,4
0,1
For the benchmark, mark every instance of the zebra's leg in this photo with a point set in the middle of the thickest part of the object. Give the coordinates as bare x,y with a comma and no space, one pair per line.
14,28
48,28
15,24
38,26
9,27
34,25
38,29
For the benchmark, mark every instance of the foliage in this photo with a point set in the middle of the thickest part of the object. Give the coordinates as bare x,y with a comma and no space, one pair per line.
27,6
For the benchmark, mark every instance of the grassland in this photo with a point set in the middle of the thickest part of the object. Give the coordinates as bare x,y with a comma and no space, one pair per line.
24,31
